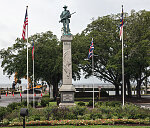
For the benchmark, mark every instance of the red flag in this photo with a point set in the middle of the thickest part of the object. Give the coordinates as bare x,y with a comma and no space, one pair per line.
20,93
25,24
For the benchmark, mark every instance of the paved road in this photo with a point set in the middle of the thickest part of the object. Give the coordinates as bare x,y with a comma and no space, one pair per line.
6,100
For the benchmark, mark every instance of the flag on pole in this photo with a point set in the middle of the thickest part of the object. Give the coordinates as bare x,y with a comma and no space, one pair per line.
25,24
91,49
121,24
33,51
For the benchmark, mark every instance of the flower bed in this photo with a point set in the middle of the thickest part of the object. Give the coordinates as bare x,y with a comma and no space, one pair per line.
82,122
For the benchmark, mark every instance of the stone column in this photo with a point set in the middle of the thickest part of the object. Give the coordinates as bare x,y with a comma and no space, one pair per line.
67,89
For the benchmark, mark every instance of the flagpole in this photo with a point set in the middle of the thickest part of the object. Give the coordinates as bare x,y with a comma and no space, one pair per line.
33,85
27,68
93,73
122,69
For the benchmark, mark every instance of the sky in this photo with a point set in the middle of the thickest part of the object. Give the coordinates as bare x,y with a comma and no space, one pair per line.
44,15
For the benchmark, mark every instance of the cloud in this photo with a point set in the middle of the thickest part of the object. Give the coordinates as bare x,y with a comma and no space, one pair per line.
44,15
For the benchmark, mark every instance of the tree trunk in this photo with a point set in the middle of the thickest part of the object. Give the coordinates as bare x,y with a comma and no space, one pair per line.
49,87
117,90
138,89
55,90
129,88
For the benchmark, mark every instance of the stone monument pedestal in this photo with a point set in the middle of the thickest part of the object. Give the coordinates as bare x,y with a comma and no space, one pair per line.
67,95
67,90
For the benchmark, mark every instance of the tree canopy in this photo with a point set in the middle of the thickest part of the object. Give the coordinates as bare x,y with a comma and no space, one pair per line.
107,48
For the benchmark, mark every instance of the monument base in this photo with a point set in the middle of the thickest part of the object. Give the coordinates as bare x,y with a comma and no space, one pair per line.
67,104
67,88
67,95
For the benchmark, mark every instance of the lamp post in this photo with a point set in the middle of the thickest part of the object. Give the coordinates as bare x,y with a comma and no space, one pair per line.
23,113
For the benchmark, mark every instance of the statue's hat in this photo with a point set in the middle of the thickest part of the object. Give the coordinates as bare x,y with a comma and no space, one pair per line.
65,6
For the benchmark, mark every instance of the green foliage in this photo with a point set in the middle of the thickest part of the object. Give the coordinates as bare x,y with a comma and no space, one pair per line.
103,110
5,122
79,110
90,103
16,120
48,56
81,103
14,114
95,114
46,95
36,114
45,101
48,111
109,103
13,106
24,103
107,65
114,109
31,103
62,113
2,112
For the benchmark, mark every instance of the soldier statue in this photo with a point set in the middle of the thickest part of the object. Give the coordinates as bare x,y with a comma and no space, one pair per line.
65,15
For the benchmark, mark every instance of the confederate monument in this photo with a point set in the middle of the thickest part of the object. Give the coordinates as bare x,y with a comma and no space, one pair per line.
67,89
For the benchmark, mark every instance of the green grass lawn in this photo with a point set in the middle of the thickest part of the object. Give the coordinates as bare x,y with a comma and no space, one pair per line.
90,126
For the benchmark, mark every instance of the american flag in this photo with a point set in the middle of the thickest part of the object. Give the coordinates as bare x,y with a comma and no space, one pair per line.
25,24
91,49
121,24
33,51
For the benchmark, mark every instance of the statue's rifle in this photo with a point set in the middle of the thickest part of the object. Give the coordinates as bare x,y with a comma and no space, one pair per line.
65,16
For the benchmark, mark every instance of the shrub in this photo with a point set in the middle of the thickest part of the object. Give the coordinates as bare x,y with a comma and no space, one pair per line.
16,120
13,106
90,103
113,103
95,114
2,112
45,101
104,116
68,113
109,103
14,114
48,111
24,103
31,103
79,110
36,117
46,95
79,117
81,103
106,109
87,117
5,121
60,113
134,112
36,114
